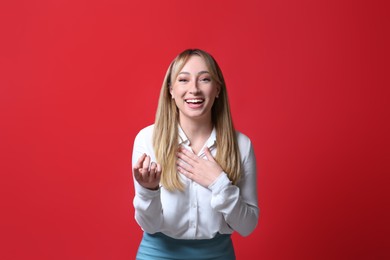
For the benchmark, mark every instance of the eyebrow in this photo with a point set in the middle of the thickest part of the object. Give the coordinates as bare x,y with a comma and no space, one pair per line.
199,73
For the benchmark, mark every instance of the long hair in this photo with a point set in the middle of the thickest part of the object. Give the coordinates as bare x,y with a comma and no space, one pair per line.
165,135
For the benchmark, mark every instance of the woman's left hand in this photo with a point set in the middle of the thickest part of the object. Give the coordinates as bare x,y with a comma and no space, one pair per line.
202,171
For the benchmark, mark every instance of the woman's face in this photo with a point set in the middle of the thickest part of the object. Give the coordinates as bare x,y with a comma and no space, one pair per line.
194,90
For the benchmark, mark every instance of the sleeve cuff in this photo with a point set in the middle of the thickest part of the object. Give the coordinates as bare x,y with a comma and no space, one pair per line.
220,183
146,193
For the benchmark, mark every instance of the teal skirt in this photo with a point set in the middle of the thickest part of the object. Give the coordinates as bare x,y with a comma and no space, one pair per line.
161,247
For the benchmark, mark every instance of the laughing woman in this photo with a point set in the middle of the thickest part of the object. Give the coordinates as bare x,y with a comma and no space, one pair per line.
195,175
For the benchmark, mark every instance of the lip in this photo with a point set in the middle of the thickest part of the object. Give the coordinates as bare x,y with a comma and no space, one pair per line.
196,104
194,100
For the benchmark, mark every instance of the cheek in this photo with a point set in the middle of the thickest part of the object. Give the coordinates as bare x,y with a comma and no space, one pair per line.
213,92
175,91
178,101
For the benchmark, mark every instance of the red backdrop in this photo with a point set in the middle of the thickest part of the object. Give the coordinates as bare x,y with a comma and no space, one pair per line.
308,82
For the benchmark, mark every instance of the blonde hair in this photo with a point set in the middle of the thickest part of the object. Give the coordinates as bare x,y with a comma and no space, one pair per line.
165,135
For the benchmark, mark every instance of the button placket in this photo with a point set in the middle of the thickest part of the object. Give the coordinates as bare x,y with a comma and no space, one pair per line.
193,209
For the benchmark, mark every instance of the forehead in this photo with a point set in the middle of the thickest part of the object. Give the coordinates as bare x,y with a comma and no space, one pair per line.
194,64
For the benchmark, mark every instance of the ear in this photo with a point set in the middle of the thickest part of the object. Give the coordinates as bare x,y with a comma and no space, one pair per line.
170,91
218,91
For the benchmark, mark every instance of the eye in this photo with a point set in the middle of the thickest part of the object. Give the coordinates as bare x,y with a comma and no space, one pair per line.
182,80
206,79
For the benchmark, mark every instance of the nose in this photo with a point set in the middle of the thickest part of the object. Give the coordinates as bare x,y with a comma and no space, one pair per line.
194,88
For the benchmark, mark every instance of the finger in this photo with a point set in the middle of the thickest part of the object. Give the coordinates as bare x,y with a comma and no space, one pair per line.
184,172
152,172
158,167
209,155
187,167
145,166
137,175
187,156
158,171
138,164
153,166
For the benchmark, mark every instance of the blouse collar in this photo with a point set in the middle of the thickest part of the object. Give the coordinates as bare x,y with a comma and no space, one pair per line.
183,139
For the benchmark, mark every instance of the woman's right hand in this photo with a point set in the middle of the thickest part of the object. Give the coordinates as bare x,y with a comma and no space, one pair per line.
147,177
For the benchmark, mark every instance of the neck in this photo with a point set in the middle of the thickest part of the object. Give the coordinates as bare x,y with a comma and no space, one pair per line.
196,129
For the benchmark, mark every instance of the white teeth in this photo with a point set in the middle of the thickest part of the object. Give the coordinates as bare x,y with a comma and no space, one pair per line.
194,101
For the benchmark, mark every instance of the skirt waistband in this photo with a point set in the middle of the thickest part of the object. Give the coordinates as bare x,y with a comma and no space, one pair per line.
160,246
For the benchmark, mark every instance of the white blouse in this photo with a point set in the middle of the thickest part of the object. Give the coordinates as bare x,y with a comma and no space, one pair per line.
198,212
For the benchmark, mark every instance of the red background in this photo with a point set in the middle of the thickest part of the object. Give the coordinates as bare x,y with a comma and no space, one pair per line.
308,82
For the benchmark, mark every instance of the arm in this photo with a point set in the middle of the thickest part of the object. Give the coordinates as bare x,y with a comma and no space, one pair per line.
238,204
147,202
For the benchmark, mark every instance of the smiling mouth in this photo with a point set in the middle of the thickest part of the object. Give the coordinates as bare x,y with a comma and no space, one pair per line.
194,101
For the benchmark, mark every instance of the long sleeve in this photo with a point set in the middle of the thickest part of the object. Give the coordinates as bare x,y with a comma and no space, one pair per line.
147,203
198,212
238,204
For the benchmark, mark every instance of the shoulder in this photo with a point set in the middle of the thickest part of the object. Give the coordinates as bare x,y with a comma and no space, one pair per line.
244,144
146,132
242,139
143,143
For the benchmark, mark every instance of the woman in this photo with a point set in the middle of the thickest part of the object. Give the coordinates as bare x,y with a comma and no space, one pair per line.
195,176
